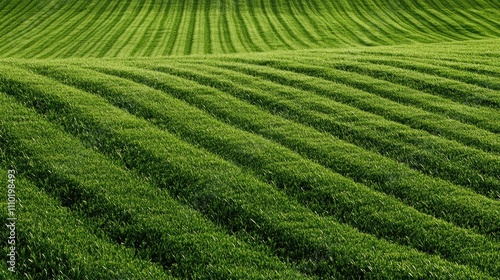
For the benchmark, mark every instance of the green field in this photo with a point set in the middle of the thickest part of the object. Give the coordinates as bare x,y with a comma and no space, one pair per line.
268,139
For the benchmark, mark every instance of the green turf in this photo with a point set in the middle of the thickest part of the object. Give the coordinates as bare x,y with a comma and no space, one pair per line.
269,139
113,28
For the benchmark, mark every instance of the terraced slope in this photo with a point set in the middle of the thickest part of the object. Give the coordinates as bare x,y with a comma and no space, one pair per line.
369,162
117,28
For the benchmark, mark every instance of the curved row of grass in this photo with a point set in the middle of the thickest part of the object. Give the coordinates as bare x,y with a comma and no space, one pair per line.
365,162
112,28
311,184
472,168
159,231
222,191
485,117
393,102
52,242
424,193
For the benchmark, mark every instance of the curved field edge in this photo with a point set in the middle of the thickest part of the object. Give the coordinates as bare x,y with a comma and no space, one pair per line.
60,29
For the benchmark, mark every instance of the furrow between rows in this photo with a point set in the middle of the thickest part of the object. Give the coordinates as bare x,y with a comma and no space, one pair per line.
128,210
52,242
311,184
433,196
224,192
432,155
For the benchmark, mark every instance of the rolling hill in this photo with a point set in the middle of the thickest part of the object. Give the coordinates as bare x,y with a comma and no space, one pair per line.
117,28
248,139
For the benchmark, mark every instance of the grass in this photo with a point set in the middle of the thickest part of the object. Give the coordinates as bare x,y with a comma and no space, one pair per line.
49,29
284,169
271,139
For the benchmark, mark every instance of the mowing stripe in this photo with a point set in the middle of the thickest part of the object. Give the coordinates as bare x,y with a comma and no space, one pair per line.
44,35
85,32
272,24
149,30
415,23
335,249
488,18
470,15
435,23
28,18
126,209
363,36
325,192
422,20
207,47
373,23
126,28
53,243
19,12
401,23
122,21
223,43
236,30
109,33
183,32
252,25
85,20
225,33
244,29
288,26
335,17
429,195
383,99
447,23
155,44
257,20
199,36
131,28
102,27
132,35
175,30
298,24
191,28
471,168
47,18
321,23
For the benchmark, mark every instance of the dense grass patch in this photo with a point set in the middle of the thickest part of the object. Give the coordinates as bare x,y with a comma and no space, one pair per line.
57,29
270,139
221,191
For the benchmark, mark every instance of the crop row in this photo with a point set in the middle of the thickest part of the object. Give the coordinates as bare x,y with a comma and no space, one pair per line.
437,68
222,191
418,149
457,91
311,184
125,208
484,118
410,107
52,242
174,27
433,196
430,154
